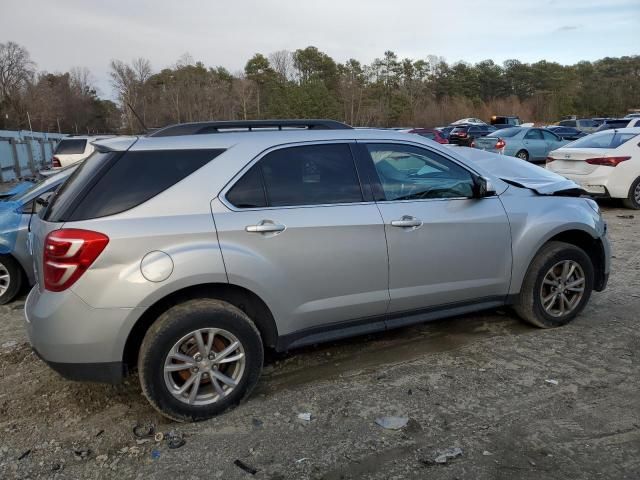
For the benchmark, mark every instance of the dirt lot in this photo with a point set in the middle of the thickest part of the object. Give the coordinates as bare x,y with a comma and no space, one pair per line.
477,382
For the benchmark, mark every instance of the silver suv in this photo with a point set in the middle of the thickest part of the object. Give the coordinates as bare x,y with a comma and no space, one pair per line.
189,252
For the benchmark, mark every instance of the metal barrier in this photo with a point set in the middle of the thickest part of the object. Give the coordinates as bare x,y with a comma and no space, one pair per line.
23,153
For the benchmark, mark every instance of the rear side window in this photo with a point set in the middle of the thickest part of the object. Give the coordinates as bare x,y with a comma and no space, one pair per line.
70,147
306,175
567,123
248,192
533,135
114,182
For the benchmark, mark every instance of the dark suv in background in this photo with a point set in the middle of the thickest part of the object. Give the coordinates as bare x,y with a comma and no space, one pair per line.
464,135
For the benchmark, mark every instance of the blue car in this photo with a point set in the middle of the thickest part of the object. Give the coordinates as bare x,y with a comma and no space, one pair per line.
527,143
16,209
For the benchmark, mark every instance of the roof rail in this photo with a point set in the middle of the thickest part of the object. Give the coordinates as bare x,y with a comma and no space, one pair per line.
197,128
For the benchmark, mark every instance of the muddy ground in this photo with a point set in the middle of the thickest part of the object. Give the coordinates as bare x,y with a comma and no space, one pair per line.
478,383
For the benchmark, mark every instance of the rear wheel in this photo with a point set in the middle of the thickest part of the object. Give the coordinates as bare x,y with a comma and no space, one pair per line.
523,155
633,199
557,286
199,359
11,278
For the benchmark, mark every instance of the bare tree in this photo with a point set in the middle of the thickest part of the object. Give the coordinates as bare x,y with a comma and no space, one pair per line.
129,81
16,68
282,62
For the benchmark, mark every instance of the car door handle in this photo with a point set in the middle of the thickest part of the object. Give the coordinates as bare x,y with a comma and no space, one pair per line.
265,226
407,222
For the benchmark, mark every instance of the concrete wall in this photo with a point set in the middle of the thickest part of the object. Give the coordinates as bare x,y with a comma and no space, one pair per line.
23,153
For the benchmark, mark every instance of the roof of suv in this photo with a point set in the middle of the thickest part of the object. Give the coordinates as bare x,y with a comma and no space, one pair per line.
258,138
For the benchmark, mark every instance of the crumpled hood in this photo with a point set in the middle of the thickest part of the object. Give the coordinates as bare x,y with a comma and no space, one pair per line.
518,172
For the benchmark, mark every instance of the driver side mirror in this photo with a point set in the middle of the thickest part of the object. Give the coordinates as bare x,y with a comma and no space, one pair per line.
483,188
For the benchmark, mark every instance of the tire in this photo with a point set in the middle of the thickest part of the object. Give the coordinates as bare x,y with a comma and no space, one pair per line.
523,155
633,199
179,324
529,305
11,279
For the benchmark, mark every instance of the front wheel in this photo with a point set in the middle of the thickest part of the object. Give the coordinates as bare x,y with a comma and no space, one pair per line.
633,199
200,358
523,155
557,286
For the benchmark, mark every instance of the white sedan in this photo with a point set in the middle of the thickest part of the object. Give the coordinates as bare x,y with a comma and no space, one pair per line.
605,164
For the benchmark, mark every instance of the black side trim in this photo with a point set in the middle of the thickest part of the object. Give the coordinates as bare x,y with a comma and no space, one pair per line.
107,372
362,326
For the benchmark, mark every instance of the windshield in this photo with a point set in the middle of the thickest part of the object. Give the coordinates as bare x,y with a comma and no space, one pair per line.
43,185
506,132
607,139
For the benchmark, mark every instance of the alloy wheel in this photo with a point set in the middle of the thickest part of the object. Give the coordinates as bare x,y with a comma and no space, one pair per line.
204,366
562,288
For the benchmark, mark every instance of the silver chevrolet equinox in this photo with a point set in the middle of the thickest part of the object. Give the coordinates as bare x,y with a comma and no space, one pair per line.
188,252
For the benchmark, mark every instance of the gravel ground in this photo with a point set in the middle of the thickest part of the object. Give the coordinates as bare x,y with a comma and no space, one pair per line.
480,383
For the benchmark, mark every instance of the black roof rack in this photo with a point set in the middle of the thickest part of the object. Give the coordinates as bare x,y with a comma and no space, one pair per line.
197,128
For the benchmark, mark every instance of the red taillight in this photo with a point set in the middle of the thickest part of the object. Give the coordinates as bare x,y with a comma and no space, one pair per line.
56,162
443,141
462,134
607,161
500,144
68,253
549,160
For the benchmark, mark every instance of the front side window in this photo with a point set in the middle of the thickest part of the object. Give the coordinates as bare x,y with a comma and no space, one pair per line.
412,173
550,136
298,176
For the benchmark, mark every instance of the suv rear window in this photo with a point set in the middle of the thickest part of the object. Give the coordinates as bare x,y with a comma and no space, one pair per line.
110,183
70,147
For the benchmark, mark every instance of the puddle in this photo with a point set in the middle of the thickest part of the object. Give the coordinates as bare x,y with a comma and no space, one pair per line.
363,354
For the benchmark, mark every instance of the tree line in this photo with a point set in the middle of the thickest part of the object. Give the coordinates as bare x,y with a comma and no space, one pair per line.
308,83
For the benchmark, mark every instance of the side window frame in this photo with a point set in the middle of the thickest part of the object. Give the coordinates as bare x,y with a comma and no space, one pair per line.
359,165
374,180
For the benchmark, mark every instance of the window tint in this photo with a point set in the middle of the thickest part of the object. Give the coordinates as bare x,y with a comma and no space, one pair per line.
533,134
550,136
68,147
408,173
567,123
310,175
608,139
123,181
248,192
474,130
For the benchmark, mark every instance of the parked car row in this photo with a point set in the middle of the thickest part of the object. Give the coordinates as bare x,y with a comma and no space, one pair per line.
185,254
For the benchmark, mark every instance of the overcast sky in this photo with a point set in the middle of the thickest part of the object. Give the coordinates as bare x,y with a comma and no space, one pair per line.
61,34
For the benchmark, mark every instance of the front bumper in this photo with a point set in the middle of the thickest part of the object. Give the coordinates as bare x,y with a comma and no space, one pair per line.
74,339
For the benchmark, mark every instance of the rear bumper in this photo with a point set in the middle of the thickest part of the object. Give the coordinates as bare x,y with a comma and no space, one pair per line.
74,339
603,182
107,372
